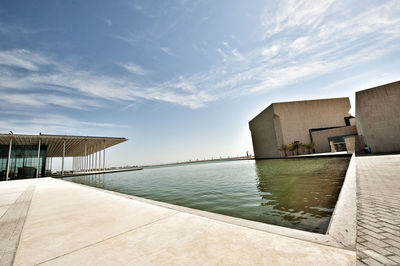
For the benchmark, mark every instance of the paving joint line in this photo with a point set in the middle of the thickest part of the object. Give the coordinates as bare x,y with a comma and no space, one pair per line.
14,218
108,238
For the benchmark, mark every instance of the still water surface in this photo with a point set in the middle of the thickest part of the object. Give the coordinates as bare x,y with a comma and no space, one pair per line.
295,193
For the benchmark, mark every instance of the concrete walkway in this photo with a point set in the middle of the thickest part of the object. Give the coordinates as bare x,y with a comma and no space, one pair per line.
70,224
378,210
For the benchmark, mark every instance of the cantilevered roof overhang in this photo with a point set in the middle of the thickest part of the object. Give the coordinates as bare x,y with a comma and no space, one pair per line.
74,145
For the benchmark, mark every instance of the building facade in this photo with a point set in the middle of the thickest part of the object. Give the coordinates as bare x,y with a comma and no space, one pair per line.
27,156
23,161
287,122
378,117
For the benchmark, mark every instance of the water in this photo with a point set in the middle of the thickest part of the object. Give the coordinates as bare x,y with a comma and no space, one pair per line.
295,193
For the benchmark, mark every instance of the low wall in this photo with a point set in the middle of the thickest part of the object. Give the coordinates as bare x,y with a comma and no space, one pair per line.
343,224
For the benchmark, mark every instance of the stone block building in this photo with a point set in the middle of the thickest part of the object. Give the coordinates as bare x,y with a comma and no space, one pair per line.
378,117
317,121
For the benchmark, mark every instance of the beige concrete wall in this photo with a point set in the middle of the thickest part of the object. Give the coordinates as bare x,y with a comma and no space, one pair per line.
350,143
283,123
320,138
353,121
298,117
263,135
378,117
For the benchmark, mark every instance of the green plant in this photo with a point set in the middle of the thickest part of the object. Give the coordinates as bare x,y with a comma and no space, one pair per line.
284,148
295,146
310,147
291,148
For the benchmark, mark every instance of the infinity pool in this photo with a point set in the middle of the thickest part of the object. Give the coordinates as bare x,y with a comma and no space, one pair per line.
296,193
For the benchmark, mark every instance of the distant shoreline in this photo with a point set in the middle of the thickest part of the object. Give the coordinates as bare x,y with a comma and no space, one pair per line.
203,161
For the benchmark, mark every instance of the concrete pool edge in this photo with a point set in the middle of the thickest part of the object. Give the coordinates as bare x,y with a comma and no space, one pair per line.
69,224
337,235
343,223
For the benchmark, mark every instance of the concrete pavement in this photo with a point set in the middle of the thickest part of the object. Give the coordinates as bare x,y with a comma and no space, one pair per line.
70,224
378,210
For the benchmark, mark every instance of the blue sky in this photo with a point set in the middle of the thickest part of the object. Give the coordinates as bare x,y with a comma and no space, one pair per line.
181,79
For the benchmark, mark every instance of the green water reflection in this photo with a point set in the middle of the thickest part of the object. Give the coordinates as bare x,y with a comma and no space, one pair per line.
295,193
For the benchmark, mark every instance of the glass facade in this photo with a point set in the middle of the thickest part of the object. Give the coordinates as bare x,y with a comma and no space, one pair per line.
23,161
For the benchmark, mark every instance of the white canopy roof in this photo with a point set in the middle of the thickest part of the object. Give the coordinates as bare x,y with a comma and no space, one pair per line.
74,145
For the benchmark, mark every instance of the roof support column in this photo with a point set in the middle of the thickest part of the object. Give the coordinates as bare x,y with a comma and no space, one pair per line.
38,160
95,161
99,157
91,159
62,168
104,155
9,157
85,159
51,165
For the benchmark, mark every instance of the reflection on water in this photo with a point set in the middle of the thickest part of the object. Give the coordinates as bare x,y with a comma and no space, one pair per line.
296,193
96,180
300,192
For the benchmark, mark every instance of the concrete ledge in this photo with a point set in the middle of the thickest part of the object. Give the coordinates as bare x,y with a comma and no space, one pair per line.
343,224
97,172
312,155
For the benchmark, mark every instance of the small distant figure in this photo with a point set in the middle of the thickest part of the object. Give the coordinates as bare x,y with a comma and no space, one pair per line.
367,149
247,152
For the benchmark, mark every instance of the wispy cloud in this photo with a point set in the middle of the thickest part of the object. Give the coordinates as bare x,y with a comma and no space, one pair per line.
82,89
108,21
298,14
271,51
229,53
302,41
167,51
134,69
138,7
24,122
22,59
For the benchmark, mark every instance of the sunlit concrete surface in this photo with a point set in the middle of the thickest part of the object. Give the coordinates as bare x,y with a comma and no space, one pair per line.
378,210
70,224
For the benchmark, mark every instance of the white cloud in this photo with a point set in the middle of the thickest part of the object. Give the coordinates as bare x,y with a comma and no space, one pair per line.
229,53
167,51
50,124
138,7
108,21
295,14
134,69
271,51
306,40
81,89
22,59
304,45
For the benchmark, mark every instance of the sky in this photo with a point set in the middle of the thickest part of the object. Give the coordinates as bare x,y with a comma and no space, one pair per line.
182,79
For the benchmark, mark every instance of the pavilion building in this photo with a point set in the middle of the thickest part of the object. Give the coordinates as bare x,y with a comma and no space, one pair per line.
28,156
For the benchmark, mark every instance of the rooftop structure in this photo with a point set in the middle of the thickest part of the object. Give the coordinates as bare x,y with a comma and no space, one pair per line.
22,155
